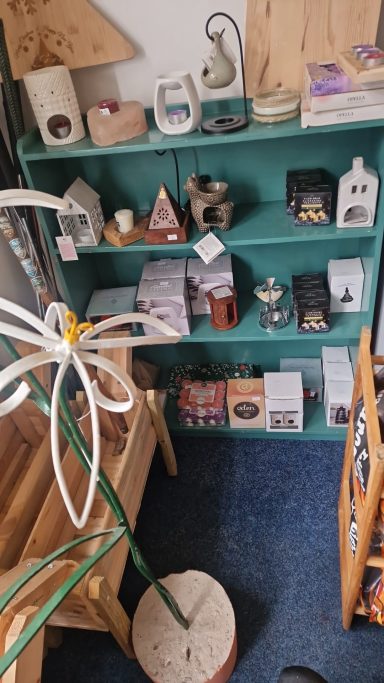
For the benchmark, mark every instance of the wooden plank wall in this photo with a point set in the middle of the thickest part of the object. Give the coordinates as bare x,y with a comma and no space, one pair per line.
282,35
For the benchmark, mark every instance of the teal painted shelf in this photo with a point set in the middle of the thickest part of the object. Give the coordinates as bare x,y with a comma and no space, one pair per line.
343,326
264,223
315,427
263,240
32,148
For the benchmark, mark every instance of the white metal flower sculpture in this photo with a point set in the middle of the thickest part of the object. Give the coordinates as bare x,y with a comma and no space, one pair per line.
66,343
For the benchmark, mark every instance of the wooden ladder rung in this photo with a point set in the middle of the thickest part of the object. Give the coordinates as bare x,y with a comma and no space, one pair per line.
375,561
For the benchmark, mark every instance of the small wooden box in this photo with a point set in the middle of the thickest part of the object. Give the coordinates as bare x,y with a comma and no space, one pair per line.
170,234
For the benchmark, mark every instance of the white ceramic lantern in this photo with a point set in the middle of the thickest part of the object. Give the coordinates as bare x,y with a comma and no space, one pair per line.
55,105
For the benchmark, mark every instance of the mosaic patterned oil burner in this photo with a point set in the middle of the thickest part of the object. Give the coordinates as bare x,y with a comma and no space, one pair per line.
209,205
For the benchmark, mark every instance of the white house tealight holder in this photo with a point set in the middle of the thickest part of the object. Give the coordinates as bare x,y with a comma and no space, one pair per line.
357,196
84,219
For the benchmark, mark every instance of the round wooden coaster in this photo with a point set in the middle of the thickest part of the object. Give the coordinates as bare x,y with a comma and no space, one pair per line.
206,653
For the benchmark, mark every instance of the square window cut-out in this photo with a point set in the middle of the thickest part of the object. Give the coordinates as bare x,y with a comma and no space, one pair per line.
363,188
354,189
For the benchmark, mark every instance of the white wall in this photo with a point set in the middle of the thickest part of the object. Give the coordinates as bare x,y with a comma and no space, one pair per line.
167,35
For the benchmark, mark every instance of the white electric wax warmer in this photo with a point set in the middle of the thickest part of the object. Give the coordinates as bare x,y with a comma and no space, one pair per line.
357,196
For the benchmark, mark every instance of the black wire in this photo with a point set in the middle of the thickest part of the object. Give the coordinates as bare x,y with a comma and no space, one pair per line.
160,154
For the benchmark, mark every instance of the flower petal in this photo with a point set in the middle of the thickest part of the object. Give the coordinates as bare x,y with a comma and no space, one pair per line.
168,336
18,368
78,520
26,317
56,314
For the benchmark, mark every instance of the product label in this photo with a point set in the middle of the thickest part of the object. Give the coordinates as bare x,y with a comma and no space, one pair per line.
246,410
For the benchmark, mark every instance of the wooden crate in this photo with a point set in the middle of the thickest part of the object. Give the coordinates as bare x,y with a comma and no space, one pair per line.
34,520
352,566
26,473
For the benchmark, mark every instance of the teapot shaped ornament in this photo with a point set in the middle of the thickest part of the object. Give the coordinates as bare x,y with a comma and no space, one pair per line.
219,71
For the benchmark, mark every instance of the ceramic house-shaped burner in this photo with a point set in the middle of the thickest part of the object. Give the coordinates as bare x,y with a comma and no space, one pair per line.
84,219
357,196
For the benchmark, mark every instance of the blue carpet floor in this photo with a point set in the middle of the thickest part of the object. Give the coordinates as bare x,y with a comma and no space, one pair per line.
261,518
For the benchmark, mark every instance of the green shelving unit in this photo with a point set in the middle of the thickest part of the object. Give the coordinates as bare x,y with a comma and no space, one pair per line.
263,240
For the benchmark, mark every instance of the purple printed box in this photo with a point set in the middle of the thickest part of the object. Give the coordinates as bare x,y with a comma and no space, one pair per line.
325,79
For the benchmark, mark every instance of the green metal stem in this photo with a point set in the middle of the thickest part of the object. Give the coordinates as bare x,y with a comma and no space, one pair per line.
56,599
79,447
34,569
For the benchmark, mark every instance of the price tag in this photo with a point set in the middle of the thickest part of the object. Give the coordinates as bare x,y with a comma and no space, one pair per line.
67,248
209,247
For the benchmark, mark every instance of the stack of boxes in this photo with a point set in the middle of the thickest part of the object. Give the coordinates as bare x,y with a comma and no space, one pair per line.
202,277
338,385
202,403
310,303
163,293
309,197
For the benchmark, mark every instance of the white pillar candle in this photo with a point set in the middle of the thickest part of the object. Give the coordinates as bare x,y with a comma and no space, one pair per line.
124,220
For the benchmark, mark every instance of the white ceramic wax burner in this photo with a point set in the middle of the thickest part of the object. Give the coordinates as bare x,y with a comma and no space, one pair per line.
176,80
357,196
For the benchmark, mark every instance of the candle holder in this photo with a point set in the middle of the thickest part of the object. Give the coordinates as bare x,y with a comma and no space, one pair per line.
273,316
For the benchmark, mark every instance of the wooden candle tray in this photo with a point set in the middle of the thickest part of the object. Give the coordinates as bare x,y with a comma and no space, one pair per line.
169,234
121,239
356,71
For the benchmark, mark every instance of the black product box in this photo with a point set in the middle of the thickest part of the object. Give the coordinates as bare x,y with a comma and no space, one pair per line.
301,179
308,295
307,277
313,205
312,314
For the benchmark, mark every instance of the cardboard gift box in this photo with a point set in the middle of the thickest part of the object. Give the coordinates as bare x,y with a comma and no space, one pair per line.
164,268
245,401
345,280
283,401
106,303
202,277
338,401
311,375
337,372
166,299
335,354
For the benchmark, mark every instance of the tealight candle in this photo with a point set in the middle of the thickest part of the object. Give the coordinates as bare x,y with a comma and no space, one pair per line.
124,220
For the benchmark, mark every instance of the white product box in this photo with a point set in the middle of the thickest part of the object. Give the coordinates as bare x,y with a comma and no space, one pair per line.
166,299
165,268
202,277
106,303
337,372
335,354
283,401
338,399
345,281
311,375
